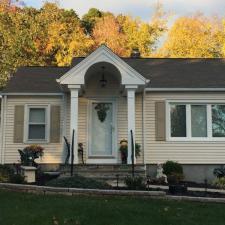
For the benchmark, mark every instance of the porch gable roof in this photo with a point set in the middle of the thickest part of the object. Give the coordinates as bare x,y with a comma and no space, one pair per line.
76,75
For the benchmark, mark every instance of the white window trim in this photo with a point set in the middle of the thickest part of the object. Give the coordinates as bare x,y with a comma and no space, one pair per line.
188,103
26,124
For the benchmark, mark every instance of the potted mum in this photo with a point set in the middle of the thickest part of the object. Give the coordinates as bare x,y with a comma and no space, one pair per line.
124,150
28,165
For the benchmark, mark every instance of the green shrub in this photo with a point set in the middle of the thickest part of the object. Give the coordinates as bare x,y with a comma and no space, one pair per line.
173,171
78,182
171,167
17,179
135,183
220,182
5,173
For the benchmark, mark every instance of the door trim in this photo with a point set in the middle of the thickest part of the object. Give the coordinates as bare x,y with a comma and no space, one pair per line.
103,159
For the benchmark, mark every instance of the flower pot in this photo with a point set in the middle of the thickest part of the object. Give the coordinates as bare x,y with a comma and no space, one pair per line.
124,158
177,189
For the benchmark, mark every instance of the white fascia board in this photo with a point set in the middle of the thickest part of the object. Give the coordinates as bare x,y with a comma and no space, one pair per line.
185,89
32,94
102,54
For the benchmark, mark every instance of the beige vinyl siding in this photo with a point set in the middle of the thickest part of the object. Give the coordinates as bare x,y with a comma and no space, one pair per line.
53,152
82,122
187,152
139,125
122,123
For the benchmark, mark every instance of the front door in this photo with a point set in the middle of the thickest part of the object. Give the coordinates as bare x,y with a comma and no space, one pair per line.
102,132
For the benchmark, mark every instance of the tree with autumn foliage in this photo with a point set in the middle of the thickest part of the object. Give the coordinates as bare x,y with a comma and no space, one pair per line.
194,37
108,31
46,36
53,36
124,33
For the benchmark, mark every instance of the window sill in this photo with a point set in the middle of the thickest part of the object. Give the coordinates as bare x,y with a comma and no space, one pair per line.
195,140
36,142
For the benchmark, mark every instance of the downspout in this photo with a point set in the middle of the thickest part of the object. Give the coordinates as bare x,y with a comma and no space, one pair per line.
143,121
4,129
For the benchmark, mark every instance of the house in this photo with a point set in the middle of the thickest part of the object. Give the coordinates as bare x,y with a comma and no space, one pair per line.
174,108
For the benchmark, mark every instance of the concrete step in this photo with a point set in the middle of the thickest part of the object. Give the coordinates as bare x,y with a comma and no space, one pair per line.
104,176
103,168
109,173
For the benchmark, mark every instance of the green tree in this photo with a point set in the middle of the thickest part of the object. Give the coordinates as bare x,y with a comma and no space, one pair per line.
89,19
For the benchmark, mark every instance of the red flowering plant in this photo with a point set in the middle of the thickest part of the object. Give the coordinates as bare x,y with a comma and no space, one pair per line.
29,154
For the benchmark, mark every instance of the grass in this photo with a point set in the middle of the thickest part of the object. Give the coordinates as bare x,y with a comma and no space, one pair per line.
27,209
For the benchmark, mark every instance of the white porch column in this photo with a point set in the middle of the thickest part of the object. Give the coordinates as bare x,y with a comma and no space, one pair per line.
131,119
74,91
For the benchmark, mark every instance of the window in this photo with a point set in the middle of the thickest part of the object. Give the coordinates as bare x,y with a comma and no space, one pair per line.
178,120
198,121
194,121
37,123
218,120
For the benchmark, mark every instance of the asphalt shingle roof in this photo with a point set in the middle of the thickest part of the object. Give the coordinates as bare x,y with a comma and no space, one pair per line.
163,73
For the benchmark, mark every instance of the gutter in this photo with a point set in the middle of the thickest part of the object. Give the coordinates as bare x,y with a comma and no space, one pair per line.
185,89
143,120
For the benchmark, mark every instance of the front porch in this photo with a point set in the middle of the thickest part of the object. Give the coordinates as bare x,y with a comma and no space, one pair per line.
102,106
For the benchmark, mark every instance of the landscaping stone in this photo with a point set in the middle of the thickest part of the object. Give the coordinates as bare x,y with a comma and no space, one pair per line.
97,192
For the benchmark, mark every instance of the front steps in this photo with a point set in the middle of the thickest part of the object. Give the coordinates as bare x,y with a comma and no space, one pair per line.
109,173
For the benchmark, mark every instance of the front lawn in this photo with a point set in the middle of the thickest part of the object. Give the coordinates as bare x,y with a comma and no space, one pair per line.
29,209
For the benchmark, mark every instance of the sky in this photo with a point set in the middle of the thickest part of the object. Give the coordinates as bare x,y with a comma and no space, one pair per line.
141,8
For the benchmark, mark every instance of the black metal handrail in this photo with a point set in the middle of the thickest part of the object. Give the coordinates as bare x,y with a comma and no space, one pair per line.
132,152
72,154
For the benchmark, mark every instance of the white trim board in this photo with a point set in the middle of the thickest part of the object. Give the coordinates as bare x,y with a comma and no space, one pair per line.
1,129
189,137
4,113
102,159
47,123
32,94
